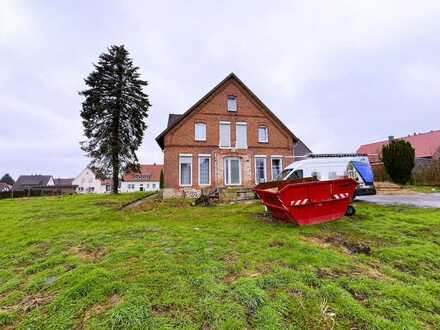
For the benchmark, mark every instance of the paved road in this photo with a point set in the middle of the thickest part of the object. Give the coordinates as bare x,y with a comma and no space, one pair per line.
419,199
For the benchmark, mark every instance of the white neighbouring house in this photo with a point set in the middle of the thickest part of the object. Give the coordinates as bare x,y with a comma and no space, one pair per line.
147,179
88,183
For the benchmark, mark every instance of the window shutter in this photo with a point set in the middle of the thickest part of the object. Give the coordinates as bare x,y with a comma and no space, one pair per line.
225,135
241,136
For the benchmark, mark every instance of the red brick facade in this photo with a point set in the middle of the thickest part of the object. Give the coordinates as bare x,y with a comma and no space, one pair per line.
179,139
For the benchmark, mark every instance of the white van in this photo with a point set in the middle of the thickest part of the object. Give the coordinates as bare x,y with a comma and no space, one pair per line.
332,166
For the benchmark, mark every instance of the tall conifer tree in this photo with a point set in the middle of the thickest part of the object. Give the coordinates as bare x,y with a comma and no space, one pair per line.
113,114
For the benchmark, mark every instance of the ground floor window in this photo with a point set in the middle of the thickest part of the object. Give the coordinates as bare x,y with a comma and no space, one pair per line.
232,171
277,167
185,170
260,169
204,170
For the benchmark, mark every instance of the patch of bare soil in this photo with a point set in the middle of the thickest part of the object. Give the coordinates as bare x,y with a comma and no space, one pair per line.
29,303
230,278
346,246
144,203
99,309
316,241
88,255
389,188
160,309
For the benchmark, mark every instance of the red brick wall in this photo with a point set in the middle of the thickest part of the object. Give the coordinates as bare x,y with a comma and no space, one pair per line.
181,138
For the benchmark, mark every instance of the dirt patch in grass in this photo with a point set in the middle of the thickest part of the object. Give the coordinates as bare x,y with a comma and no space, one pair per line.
88,255
230,278
32,302
29,303
356,271
347,246
158,310
316,241
99,309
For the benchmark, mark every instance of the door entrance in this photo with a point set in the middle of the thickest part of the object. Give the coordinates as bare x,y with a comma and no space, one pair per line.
232,171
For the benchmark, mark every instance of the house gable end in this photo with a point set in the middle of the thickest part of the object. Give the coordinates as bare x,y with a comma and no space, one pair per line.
203,104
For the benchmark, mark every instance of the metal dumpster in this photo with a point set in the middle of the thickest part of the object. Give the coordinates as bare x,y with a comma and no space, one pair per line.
307,201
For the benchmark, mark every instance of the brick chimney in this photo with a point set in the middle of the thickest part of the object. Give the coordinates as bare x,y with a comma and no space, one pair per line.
390,138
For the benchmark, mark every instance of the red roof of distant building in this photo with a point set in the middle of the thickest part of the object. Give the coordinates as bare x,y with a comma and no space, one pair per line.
424,144
148,172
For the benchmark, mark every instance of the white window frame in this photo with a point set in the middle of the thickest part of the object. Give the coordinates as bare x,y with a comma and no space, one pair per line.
245,146
220,137
180,171
197,138
230,97
265,167
201,156
225,159
271,165
267,134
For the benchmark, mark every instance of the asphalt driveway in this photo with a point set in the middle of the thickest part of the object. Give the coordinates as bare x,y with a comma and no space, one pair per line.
416,199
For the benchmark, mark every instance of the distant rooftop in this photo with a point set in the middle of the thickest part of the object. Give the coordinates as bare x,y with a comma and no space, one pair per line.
424,144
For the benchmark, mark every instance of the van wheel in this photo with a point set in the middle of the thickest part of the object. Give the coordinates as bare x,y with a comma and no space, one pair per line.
350,211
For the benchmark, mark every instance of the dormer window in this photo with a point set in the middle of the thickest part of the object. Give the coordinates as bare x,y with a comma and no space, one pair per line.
232,103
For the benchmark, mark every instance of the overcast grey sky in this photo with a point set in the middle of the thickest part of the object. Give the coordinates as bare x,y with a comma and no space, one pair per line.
338,73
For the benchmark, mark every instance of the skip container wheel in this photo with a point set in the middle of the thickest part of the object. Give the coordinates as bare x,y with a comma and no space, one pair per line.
350,211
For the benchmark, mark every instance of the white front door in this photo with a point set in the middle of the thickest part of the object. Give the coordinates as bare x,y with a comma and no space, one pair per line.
232,171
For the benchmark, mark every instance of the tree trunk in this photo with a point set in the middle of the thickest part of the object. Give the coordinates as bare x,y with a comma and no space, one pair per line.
115,152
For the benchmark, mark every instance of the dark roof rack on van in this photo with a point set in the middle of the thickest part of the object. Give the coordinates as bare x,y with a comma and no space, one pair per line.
335,155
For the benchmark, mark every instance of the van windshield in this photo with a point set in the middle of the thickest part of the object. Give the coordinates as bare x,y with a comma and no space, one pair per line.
283,174
297,174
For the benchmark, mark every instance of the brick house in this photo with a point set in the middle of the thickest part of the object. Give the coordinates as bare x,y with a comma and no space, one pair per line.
229,138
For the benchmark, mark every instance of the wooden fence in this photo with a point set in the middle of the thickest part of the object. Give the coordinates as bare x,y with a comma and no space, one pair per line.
30,193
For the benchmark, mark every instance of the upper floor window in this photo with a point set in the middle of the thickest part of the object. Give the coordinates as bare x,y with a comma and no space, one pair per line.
200,132
263,135
241,135
232,103
225,134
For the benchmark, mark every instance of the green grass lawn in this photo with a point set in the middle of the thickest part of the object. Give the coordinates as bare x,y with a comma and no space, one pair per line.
78,262
424,189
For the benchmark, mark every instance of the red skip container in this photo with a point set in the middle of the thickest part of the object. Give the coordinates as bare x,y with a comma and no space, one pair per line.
307,201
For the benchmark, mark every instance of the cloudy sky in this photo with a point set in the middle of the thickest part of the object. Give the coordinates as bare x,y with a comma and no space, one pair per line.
338,73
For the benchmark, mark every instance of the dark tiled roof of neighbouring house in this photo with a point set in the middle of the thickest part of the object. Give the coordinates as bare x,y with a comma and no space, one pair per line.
63,182
300,149
24,181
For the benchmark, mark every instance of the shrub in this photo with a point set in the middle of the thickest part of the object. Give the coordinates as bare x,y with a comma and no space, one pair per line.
398,159
161,180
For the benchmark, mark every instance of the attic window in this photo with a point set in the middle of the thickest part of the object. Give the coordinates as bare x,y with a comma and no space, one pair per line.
232,103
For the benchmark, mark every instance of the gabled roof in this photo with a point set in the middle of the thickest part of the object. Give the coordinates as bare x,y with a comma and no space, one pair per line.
63,182
31,180
174,120
150,172
424,144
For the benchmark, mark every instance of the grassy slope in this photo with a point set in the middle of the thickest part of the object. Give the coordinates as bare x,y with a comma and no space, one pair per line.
77,262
